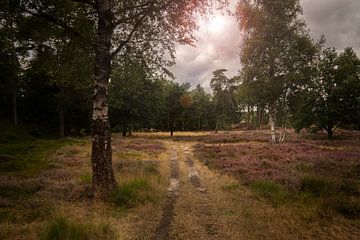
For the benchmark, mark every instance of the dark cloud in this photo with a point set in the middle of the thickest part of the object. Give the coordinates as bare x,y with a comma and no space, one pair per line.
218,42
338,20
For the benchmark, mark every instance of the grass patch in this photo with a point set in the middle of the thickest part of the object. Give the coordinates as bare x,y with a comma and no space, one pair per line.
317,186
62,228
18,192
28,156
348,208
86,178
273,192
135,192
230,187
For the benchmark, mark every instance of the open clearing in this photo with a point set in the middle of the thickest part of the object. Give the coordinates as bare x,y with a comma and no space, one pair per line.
230,185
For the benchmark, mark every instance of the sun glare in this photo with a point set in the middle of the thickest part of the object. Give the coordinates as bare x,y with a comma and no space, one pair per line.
214,24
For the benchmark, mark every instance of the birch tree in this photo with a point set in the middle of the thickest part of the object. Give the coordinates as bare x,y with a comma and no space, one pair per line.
276,51
152,26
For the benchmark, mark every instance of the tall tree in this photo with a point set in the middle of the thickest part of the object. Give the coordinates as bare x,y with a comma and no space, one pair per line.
151,26
276,50
224,99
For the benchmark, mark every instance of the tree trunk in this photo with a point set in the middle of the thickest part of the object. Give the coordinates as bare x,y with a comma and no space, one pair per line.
260,117
248,118
130,133
272,117
217,125
330,132
61,122
171,130
61,113
101,156
14,100
124,132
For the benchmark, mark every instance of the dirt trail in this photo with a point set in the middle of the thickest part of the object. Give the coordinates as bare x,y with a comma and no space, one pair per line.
163,229
206,207
188,212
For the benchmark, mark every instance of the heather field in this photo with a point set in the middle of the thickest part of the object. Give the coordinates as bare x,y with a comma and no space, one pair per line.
195,185
307,171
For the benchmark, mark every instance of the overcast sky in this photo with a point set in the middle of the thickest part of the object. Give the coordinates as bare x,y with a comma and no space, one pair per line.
219,39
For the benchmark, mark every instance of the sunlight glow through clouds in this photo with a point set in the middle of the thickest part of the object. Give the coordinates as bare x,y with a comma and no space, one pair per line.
219,38
217,47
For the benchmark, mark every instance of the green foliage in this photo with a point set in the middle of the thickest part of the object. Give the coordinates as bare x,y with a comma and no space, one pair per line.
332,97
135,192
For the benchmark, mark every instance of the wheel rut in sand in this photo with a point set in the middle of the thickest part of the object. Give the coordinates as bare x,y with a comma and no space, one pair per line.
163,229
205,208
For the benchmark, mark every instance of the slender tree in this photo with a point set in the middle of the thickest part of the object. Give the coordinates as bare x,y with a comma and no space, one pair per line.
276,50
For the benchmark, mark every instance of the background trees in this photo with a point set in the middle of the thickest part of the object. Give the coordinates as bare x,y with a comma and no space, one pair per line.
331,100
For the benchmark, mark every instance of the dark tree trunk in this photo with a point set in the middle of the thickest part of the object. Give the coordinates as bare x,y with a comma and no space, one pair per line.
14,100
330,132
124,132
61,122
61,114
172,128
130,133
261,111
101,156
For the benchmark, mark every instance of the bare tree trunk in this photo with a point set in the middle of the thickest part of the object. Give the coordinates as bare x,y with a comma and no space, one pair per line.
14,100
283,130
260,117
171,130
217,125
61,122
248,117
101,156
61,113
272,122
130,133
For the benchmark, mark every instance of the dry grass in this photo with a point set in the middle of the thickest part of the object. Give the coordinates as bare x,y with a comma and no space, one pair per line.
62,187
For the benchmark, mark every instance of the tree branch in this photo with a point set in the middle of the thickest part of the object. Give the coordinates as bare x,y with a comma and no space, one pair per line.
131,34
88,2
55,21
